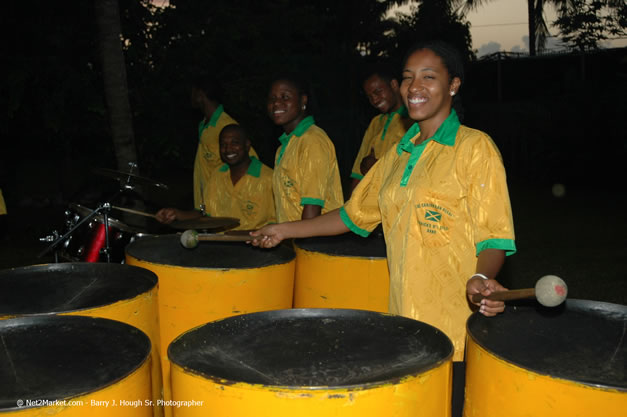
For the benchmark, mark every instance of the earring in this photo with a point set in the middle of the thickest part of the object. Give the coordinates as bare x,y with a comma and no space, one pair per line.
304,106
452,93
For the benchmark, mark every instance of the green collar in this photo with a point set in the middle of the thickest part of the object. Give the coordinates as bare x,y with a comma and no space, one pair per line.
445,134
401,111
302,127
254,168
212,121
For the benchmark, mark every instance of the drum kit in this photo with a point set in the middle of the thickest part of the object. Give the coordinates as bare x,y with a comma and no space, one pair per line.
101,234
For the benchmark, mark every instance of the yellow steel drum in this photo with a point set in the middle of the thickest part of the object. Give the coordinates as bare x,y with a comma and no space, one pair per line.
108,290
71,366
212,281
568,361
312,362
345,271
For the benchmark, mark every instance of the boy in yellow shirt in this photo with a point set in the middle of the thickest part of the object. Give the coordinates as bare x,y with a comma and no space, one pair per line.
206,96
385,129
241,187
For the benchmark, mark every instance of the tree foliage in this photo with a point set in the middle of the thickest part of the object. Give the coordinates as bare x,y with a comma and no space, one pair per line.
589,22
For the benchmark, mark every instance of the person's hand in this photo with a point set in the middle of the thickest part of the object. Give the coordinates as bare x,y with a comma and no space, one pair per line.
166,215
478,285
367,162
267,237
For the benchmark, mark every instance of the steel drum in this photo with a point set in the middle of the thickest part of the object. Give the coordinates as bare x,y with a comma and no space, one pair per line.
345,271
568,361
313,362
73,366
113,291
210,282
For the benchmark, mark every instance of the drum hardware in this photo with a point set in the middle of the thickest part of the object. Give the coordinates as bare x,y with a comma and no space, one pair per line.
190,238
127,180
550,291
103,209
54,235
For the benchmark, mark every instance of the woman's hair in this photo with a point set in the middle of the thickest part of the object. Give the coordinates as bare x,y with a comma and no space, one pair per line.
297,82
452,60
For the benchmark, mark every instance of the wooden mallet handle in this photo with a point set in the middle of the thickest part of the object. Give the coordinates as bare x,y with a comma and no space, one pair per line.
506,295
190,238
128,210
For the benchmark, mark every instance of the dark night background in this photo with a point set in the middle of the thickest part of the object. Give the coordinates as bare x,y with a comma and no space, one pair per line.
556,118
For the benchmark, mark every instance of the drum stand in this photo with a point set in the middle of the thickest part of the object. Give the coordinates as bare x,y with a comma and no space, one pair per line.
125,180
104,208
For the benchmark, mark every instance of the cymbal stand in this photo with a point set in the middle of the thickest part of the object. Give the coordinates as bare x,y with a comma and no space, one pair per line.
54,235
127,184
104,208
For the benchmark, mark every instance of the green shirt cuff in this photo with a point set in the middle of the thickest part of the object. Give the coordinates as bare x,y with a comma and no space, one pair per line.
357,176
352,226
507,245
311,201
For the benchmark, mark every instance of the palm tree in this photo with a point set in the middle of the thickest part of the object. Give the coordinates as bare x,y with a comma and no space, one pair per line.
538,29
115,82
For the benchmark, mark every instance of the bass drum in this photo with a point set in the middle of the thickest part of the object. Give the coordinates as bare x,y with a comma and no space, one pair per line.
85,244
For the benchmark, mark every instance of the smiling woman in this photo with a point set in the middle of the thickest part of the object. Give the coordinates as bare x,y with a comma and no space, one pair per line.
306,180
441,196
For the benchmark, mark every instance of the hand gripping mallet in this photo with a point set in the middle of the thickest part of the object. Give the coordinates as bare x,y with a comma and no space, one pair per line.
190,238
550,291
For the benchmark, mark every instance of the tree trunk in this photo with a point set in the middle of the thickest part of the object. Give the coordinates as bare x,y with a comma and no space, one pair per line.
532,26
115,83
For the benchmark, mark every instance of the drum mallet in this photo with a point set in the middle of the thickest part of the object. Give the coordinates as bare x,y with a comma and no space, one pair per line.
190,238
550,291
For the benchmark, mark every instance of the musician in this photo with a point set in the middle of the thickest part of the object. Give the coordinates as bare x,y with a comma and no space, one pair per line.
306,181
386,128
207,97
241,187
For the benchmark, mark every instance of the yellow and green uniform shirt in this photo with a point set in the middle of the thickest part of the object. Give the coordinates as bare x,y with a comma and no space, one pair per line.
441,203
384,131
305,172
3,206
249,200
208,153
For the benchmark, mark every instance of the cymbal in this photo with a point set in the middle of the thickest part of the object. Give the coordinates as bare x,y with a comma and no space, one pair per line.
206,223
128,177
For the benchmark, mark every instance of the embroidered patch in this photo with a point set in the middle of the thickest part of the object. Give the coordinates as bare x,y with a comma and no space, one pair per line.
433,216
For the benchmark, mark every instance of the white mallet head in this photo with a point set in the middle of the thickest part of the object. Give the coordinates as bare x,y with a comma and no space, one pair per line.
551,290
